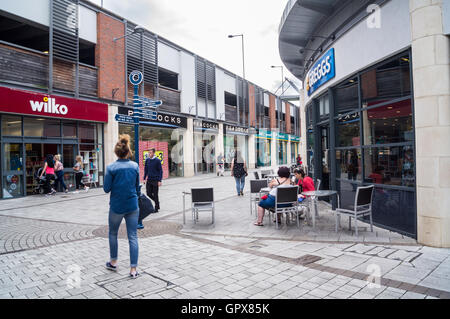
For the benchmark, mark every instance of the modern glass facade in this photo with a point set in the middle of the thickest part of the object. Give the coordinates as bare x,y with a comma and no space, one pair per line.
362,132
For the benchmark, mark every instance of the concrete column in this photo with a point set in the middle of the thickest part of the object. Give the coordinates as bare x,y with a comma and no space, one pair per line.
431,71
303,135
188,149
220,149
251,151
111,135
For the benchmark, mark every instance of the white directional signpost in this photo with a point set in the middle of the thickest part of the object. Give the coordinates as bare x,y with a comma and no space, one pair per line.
143,108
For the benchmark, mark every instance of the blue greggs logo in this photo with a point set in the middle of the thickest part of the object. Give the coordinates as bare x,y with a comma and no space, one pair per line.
322,72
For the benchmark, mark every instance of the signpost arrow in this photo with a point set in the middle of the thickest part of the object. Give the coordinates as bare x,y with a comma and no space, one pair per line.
124,118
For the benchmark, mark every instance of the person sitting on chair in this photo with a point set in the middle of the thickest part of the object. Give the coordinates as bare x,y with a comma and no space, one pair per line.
284,180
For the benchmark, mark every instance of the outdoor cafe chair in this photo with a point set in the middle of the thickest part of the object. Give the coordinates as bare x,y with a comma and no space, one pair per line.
255,192
361,208
256,175
266,172
202,200
286,202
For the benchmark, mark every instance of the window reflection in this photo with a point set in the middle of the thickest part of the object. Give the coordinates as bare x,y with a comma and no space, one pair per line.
348,132
388,124
11,125
349,164
390,165
347,97
388,81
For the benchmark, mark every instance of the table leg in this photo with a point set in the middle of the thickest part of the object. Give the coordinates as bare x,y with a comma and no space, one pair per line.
184,209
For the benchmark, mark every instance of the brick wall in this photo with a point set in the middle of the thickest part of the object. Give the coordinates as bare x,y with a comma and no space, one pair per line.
110,58
288,118
272,112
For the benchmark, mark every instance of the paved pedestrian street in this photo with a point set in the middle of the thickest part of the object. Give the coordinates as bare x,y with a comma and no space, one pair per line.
56,247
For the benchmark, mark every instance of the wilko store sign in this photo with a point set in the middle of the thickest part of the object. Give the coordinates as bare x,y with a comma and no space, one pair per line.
322,72
38,104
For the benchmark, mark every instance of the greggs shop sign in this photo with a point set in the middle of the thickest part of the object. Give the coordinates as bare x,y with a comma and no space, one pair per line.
323,71
44,105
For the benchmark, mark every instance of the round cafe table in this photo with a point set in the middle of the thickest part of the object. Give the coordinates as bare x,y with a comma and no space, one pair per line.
314,196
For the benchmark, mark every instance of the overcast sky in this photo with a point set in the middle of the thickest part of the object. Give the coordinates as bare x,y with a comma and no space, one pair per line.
202,26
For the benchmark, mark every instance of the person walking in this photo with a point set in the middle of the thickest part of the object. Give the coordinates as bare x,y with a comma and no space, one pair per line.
122,181
220,164
59,171
153,175
239,172
49,169
79,173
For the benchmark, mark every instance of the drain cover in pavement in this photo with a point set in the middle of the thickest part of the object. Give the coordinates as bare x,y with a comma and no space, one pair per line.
152,229
144,285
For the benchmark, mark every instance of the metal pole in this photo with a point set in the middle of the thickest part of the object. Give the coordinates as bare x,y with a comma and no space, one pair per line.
136,127
243,57
50,51
142,63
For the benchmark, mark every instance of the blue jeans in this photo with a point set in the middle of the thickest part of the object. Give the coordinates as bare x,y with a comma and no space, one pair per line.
240,184
131,220
60,180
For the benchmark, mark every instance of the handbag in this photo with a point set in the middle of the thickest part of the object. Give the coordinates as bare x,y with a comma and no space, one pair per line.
264,197
145,207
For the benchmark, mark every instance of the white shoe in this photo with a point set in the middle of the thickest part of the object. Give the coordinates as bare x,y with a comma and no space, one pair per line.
86,189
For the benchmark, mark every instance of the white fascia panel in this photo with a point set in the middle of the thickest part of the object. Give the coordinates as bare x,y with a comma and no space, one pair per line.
33,10
87,24
229,84
187,82
168,58
220,93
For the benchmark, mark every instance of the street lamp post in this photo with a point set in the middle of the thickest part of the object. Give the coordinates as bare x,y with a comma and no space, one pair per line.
282,75
243,52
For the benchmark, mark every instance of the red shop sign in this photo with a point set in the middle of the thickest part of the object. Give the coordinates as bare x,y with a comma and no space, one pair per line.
32,103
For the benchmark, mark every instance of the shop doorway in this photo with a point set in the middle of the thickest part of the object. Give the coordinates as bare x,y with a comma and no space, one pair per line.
204,153
325,157
12,179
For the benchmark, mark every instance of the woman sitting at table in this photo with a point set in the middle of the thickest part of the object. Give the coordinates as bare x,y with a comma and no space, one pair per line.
305,182
268,203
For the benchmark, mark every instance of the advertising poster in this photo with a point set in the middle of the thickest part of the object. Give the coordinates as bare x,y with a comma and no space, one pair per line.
162,152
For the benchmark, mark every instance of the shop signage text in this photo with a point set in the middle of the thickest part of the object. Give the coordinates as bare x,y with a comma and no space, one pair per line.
179,121
235,129
205,125
32,103
323,71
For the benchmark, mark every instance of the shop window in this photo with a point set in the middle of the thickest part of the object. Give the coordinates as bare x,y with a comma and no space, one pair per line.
324,107
168,79
389,124
11,125
390,165
37,127
87,133
348,130
387,81
69,129
348,165
347,97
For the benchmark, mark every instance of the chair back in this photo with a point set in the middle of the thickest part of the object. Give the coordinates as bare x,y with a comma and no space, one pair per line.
256,175
364,196
202,195
287,194
256,185
265,173
318,182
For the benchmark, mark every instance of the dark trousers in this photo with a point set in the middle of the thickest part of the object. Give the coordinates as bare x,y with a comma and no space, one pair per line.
60,181
78,178
152,192
47,186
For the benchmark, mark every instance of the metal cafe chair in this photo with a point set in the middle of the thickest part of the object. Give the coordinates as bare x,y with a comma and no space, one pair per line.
286,203
256,175
255,192
202,200
362,207
265,173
